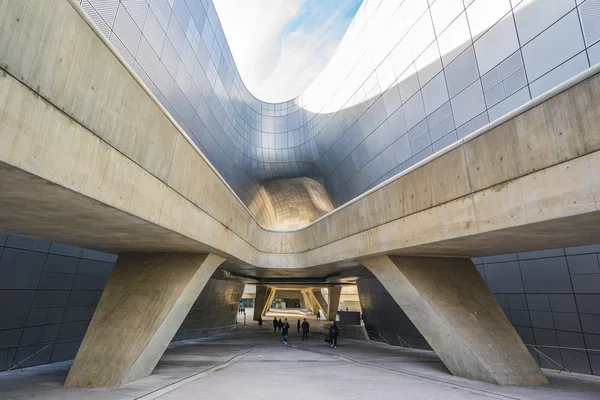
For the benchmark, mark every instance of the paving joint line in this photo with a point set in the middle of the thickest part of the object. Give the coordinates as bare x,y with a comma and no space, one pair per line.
182,382
453,385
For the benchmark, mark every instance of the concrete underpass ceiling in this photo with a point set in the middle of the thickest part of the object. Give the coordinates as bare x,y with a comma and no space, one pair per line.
324,275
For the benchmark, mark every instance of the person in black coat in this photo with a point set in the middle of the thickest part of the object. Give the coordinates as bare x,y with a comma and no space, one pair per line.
280,324
298,326
285,328
334,332
274,324
305,327
260,322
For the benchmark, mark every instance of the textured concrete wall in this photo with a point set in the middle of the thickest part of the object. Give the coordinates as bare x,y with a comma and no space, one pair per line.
551,297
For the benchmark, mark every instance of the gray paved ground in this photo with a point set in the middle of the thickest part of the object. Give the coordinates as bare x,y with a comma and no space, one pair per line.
254,364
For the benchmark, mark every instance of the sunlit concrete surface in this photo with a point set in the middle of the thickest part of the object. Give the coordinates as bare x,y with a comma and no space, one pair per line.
253,363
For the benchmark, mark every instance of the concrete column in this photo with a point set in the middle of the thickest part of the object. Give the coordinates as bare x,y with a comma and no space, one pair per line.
314,302
262,294
321,303
301,300
307,301
269,301
146,299
455,311
334,301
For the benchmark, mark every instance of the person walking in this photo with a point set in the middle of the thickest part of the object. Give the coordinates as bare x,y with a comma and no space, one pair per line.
260,322
298,326
305,327
274,324
280,324
285,328
318,315
334,332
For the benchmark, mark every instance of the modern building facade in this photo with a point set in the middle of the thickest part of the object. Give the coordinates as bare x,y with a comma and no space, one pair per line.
408,79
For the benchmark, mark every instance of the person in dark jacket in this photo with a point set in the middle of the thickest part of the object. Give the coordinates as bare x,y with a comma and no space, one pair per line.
318,315
279,325
260,322
334,332
274,324
285,328
298,326
305,327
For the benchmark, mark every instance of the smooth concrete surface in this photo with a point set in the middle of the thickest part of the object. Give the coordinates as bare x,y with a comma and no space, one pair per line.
333,301
147,297
260,301
139,183
455,311
252,363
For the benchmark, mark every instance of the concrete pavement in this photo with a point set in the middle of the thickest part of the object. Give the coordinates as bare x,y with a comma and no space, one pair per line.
253,363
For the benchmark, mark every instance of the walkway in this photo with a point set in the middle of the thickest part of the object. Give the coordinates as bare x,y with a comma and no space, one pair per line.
253,364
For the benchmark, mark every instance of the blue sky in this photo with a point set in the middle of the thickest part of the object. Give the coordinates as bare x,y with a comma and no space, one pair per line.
280,46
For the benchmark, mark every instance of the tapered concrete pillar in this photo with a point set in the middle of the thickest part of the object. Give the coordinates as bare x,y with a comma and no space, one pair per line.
269,302
455,311
262,294
301,301
146,299
334,301
321,303
307,301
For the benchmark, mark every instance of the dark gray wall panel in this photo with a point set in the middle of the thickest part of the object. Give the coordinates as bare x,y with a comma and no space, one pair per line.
48,294
214,311
382,316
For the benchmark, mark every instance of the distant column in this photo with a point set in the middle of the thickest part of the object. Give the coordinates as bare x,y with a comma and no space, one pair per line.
269,302
147,297
334,301
456,313
320,300
307,300
262,294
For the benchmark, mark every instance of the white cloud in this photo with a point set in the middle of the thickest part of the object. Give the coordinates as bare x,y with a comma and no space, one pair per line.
276,62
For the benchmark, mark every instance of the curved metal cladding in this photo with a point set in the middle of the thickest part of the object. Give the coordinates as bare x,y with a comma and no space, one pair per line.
290,203
408,78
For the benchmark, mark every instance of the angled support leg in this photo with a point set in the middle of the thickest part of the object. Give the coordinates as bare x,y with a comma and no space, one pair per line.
455,311
146,299
267,306
320,300
262,294
307,301
335,293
